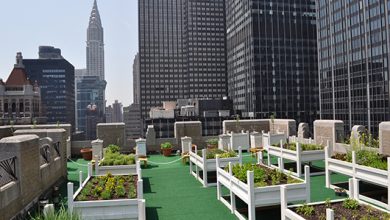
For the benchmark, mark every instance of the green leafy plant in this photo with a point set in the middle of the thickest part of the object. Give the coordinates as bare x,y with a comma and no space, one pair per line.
350,204
112,148
117,159
262,176
368,141
108,187
212,153
166,145
328,203
61,214
212,141
305,210
368,158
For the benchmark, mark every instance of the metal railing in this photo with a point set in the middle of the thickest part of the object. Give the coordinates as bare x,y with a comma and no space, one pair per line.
45,153
7,170
57,148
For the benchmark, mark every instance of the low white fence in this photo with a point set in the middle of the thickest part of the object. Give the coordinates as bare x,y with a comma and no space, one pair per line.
352,169
298,156
207,165
288,214
258,196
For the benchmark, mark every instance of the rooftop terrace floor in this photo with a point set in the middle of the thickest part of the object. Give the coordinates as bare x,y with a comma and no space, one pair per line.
172,193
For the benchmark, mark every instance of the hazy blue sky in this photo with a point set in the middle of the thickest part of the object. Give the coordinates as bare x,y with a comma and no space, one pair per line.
27,24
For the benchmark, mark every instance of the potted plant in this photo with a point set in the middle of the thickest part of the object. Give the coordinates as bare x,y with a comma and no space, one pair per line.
166,148
212,143
86,152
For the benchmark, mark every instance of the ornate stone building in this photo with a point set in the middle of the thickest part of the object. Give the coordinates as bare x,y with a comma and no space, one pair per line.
20,100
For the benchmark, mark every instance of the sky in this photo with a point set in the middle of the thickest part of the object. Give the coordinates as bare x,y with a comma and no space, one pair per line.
27,24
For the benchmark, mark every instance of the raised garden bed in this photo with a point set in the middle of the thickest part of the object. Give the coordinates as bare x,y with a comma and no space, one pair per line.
297,152
270,139
205,162
349,208
108,197
349,165
259,186
117,164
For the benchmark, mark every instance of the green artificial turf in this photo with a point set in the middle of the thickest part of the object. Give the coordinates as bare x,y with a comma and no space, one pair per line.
171,192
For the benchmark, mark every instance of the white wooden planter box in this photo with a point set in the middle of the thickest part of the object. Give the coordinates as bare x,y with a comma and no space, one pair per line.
258,196
107,209
239,140
270,139
116,169
207,165
367,174
288,214
298,156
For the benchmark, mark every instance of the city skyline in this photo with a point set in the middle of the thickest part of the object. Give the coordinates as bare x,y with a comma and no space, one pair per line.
69,34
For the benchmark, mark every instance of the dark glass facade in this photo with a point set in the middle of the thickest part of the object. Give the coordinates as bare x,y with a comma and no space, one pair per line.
182,50
353,62
90,91
272,58
55,77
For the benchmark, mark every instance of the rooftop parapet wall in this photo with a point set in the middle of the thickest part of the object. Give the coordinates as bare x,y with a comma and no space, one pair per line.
191,129
6,131
56,135
112,133
28,188
384,138
37,170
287,126
237,126
328,130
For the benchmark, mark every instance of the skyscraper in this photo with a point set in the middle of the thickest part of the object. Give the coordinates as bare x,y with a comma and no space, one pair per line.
90,102
353,41
182,51
91,84
55,76
272,58
95,44
136,84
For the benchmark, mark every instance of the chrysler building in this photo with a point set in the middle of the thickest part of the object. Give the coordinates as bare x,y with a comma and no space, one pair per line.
95,45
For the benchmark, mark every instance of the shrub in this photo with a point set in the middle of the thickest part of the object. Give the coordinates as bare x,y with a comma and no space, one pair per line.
61,214
305,210
166,145
350,204
262,176
212,141
118,159
368,158
113,148
212,153
106,194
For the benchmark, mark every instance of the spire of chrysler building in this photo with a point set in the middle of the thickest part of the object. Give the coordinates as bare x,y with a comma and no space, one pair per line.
95,44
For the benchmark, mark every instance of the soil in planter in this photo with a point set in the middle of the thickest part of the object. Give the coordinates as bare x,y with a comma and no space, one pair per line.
263,176
340,212
109,187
